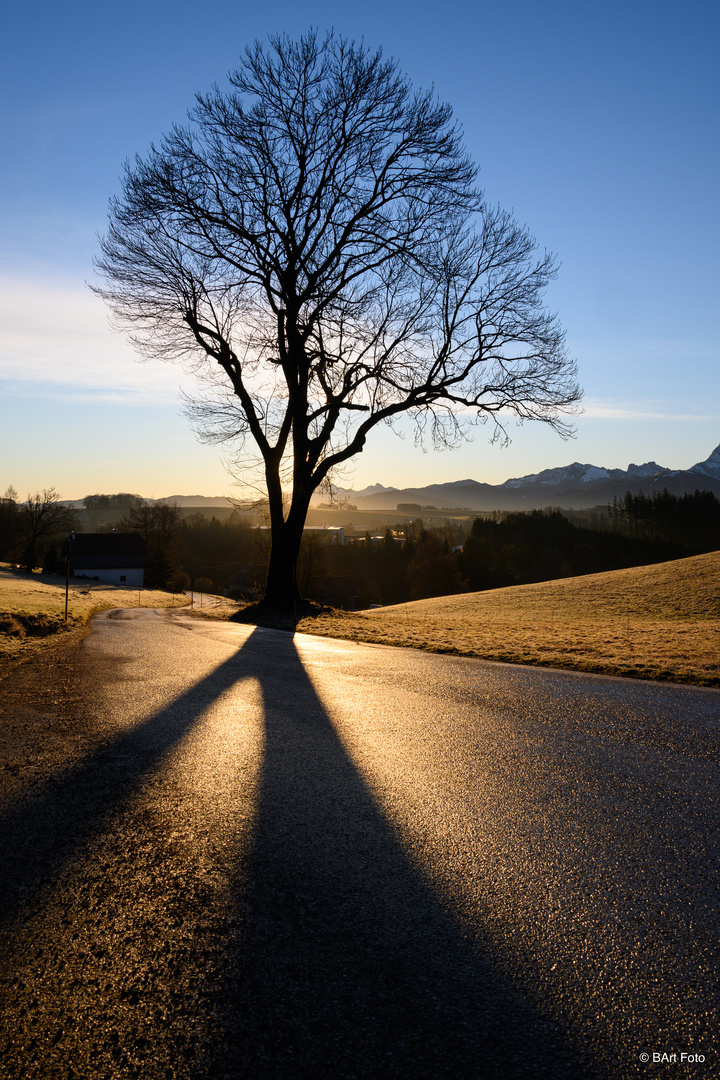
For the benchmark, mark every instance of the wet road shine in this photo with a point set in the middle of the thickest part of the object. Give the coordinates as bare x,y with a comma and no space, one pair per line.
289,856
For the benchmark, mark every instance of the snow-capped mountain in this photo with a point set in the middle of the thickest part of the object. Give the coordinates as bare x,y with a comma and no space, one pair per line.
577,485
709,467
588,474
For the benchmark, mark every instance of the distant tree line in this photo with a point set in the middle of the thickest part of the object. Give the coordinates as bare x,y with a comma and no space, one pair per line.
540,545
409,562
516,548
693,521
122,501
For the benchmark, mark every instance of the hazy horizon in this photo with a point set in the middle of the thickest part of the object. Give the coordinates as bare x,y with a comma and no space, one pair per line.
418,483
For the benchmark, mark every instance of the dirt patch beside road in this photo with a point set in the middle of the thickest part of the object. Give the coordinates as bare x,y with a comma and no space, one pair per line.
41,714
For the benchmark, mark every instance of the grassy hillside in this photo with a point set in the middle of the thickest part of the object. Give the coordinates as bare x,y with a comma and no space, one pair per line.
657,622
32,608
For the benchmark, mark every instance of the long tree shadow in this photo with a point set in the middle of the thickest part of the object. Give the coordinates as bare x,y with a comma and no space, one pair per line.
47,828
348,964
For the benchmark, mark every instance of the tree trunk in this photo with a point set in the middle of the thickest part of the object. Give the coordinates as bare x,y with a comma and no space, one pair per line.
281,587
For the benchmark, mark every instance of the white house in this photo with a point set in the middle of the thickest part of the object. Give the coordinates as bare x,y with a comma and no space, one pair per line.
117,558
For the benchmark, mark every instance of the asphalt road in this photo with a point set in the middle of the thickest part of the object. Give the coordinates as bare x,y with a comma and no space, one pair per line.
278,856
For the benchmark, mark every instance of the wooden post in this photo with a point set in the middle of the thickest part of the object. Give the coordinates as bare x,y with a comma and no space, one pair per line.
67,578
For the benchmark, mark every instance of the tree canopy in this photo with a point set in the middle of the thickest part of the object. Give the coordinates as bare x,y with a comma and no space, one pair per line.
313,244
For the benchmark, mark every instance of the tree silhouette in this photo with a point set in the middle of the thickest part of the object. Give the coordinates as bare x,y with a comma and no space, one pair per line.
314,246
43,523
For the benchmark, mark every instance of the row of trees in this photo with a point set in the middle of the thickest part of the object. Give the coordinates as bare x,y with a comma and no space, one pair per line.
541,545
692,521
538,546
123,500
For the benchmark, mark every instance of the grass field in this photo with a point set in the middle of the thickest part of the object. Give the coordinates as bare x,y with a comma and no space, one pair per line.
655,622
33,608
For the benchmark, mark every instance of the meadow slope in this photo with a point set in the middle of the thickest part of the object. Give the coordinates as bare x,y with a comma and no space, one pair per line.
655,622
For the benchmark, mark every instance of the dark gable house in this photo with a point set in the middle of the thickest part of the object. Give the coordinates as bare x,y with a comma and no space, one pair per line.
116,558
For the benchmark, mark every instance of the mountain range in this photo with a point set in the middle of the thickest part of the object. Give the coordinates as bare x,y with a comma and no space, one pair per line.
575,486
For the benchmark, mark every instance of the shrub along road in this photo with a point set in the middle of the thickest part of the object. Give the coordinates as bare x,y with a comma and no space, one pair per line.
253,854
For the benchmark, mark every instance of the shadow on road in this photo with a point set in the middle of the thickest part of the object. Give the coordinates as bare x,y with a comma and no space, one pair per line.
46,828
348,964
345,964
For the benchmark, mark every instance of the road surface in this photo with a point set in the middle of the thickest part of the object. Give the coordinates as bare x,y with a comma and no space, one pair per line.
278,856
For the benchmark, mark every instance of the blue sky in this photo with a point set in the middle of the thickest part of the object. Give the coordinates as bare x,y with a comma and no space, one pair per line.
596,123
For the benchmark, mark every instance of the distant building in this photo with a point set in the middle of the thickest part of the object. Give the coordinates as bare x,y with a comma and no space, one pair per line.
332,534
116,558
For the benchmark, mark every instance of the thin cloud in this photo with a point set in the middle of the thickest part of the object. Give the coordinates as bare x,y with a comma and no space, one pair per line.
595,409
56,342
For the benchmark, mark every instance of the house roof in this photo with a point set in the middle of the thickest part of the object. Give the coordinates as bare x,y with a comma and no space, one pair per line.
107,545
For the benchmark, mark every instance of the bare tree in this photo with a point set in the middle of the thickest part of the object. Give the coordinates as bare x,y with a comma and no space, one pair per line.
314,246
8,522
43,523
